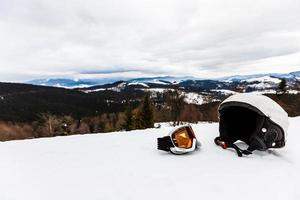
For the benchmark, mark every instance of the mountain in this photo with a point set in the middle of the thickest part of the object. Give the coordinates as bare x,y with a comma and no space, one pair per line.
127,165
163,80
264,83
83,83
25,102
30,111
202,92
64,83
71,83
291,75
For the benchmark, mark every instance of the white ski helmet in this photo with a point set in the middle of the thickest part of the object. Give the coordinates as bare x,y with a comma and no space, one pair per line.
254,119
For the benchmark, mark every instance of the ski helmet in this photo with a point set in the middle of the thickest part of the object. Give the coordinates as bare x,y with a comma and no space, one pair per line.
254,119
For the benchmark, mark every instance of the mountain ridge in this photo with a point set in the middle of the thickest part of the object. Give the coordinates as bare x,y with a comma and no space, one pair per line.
85,83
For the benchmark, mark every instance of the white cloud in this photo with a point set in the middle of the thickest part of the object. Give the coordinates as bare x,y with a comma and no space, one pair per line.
206,38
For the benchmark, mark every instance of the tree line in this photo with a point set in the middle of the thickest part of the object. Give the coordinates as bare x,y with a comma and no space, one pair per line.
164,107
169,106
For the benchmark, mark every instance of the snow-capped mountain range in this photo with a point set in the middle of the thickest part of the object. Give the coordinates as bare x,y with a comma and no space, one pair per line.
195,90
226,85
169,80
201,91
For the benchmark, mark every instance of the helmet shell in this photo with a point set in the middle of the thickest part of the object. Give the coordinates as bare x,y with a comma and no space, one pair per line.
263,104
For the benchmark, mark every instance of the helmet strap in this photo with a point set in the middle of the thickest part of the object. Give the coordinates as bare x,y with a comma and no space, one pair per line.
240,152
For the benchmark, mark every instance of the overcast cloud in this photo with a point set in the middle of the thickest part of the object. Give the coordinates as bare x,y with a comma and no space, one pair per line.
130,38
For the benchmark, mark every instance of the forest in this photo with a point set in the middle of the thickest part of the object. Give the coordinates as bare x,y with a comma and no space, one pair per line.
28,111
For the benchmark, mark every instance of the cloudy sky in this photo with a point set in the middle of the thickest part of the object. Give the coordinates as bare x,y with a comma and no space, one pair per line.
133,38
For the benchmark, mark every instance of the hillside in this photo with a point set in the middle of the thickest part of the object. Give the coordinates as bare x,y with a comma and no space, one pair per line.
127,166
81,83
25,102
31,111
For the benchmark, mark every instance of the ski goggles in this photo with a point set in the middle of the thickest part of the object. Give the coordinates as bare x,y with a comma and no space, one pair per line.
179,141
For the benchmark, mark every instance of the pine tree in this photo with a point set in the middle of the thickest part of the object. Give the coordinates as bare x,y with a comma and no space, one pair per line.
128,124
145,115
176,102
65,124
282,87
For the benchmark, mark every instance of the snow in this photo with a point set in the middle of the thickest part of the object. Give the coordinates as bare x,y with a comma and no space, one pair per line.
158,90
274,92
139,83
193,98
127,165
264,82
69,87
117,88
262,85
95,90
189,97
224,91
264,92
156,81
293,91
264,79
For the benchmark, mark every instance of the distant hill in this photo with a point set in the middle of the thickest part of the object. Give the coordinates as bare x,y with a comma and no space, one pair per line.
31,111
25,102
82,83
230,85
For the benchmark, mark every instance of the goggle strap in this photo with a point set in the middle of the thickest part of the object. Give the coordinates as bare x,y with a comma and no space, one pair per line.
164,143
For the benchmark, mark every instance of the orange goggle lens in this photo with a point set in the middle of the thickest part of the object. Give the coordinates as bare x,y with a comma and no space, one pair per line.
183,138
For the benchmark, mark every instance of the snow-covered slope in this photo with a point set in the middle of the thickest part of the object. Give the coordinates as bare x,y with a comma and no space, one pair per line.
161,80
128,166
73,83
64,83
193,98
291,75
264,79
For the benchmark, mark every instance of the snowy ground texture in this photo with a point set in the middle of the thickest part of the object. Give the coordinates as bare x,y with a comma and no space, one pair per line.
128,166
